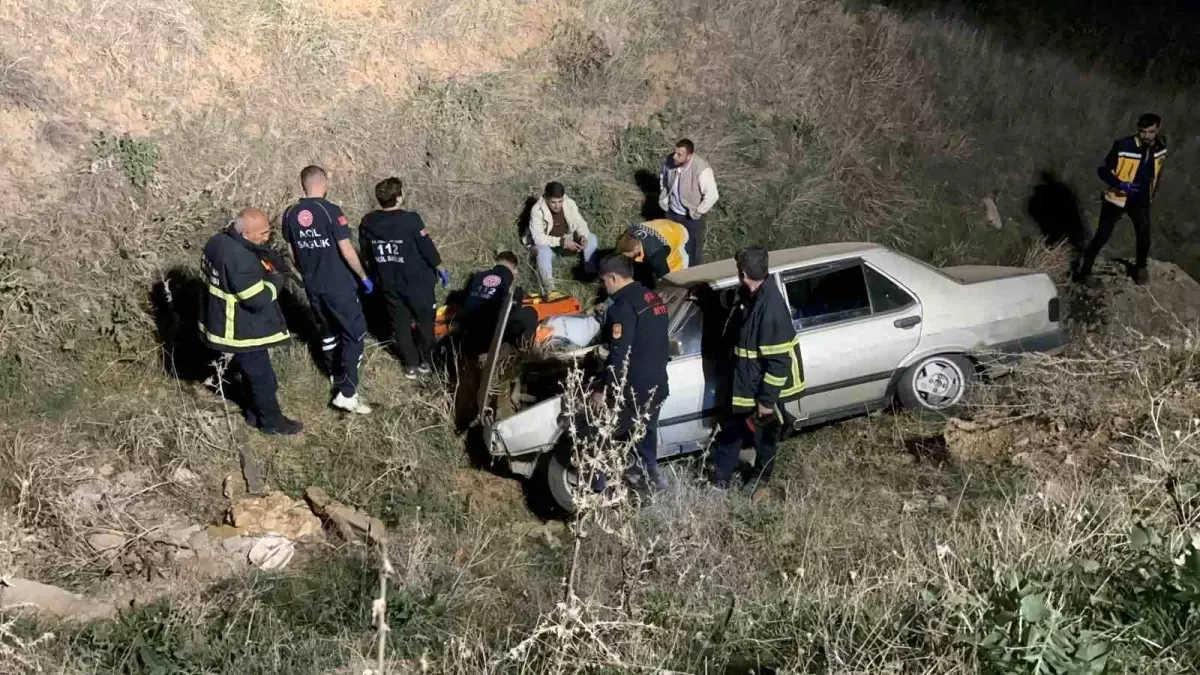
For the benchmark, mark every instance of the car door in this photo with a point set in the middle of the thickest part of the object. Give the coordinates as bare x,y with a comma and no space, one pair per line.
688,414
855,326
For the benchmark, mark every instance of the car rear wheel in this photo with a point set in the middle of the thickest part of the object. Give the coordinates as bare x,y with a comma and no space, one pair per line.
561,480
936,383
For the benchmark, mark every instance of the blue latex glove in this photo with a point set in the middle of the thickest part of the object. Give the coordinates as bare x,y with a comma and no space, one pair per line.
444,276
368,286
1130,188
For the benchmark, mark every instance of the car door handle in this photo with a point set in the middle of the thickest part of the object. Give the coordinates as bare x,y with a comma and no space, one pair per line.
907,322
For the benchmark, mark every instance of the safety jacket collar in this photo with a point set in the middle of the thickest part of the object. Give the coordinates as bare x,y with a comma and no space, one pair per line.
257,249
624,290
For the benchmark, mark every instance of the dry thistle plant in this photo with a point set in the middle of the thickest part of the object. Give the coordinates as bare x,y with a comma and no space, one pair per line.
582,633
379,608
15,649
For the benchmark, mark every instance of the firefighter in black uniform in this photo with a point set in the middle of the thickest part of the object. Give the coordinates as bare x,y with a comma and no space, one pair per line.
767,373
635,330
406,264
320,240
241,316
480,310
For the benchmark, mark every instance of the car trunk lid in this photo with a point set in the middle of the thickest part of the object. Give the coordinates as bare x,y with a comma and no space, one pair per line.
974,274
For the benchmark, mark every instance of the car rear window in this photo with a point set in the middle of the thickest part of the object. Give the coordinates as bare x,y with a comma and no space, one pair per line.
885,295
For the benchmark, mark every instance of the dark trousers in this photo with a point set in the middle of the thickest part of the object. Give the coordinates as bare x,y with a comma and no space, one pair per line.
646,447
741,429
695,228
262,406
403,310
343,328
1109,215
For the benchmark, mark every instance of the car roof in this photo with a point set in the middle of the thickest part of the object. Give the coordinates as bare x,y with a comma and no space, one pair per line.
721,271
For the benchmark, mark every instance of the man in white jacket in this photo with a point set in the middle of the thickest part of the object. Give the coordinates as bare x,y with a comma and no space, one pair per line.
555,225
687,191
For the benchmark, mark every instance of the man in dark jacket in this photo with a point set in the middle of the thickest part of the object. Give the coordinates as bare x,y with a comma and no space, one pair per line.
767,372
635,331
319,235
406,264
241,316
486,291
1131,172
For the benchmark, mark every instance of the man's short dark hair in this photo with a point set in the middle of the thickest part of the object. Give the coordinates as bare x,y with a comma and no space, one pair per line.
752,261
310,173
617,265
508,257
686,145
554,190
1148,120
388,191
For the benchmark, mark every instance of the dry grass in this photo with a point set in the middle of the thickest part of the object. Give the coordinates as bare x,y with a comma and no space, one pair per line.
821,125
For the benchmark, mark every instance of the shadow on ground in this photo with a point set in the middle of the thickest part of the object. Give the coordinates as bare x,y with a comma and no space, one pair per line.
647,182
175,306
1054,206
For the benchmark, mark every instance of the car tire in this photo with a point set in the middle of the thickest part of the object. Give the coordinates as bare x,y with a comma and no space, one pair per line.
558,476
936,384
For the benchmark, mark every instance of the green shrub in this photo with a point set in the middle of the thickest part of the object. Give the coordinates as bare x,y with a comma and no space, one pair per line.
136,157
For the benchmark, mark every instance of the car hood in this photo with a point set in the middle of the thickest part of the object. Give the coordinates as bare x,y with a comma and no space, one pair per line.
534,429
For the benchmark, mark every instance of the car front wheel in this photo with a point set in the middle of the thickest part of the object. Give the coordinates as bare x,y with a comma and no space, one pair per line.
936,383
561,480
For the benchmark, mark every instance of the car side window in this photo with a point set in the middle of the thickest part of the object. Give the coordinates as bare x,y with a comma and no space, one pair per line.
689,334
885,295
839,294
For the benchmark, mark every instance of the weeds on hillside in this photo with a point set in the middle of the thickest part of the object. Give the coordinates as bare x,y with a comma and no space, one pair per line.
1117,583
16,650
582,634
580,54
137,158
17,647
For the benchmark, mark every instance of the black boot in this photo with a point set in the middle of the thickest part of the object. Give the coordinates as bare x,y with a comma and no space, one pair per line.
1082,270
284,427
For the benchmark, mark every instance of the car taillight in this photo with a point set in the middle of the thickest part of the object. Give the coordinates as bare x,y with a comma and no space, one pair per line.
1053,309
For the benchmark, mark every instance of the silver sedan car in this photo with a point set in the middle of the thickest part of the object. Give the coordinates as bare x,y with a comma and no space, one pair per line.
877,328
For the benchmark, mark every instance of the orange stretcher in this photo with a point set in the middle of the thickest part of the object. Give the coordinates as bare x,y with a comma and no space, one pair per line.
555,304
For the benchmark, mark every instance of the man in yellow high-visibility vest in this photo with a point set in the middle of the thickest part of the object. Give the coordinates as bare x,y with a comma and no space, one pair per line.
1131,172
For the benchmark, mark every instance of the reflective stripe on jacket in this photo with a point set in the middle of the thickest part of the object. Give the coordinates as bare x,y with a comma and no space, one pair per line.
1122,163
767,366
240,312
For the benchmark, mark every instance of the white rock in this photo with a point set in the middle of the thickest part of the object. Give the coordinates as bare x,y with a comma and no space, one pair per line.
271,553
236,544
105,541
